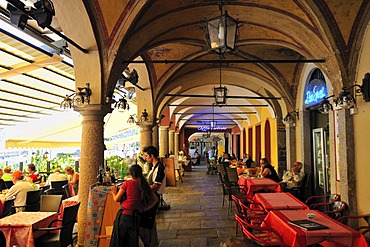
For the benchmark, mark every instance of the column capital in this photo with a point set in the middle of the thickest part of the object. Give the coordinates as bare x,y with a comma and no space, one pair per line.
94,110
163,127
145,125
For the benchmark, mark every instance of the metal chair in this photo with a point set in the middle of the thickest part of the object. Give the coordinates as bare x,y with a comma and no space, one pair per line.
312,200
43,188
232,174
65,235
265,236
50,203
7,209
32,201
50,191
300,190
247,212
66,192
335,210
9,184
353,220
58,186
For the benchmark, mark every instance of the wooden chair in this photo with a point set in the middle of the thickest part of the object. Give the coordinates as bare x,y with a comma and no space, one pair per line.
264,236
64,237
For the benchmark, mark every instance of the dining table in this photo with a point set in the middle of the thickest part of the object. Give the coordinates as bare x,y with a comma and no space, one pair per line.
18,228
278,201
336,234
66,203
257,184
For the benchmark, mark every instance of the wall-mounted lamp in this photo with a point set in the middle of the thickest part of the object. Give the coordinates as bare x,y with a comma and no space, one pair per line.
159,120
130,76
132,119
122,104
325,106
289,119
144,116
80,99
346,100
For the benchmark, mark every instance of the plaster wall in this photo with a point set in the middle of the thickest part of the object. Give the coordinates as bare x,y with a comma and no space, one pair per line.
361,133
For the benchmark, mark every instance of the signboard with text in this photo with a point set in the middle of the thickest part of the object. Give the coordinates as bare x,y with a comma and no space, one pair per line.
314,93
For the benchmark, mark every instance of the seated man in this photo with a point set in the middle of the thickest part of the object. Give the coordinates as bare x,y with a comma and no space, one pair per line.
19,190
33,174
294,177
56,176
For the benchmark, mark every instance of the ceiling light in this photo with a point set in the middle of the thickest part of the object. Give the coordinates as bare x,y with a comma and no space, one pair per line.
222,31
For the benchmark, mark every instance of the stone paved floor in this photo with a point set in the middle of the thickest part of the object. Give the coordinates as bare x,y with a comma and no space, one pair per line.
196,217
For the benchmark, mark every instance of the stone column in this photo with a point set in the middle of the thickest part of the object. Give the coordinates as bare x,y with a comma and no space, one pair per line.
306,145
346,160
92,156
163,140
176,139
171,141
290,145
145,134
155,138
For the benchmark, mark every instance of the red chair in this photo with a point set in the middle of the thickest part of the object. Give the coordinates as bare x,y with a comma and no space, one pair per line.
255,215
264,236
335,210
312,200
352,221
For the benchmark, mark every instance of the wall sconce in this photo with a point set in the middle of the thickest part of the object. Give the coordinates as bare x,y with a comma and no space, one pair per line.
144,116
130,76
289,119
122,104
346,100
132,119
159,120
325,106
80,99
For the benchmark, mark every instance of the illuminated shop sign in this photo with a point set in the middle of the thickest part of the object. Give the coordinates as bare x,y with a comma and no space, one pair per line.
315,91
206,128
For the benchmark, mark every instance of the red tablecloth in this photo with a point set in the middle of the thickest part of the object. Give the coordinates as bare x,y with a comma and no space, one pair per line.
277,201
66,203
17,228
336,235
256,184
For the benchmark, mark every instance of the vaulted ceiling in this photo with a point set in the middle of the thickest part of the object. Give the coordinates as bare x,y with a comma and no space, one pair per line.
174,30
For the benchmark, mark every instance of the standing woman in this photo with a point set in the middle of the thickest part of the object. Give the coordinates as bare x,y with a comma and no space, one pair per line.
135,196
74,178
268,170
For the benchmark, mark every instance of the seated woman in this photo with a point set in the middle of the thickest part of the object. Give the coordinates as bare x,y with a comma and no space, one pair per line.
268,171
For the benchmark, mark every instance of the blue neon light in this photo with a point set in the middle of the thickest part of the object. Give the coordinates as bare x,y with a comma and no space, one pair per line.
315,91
